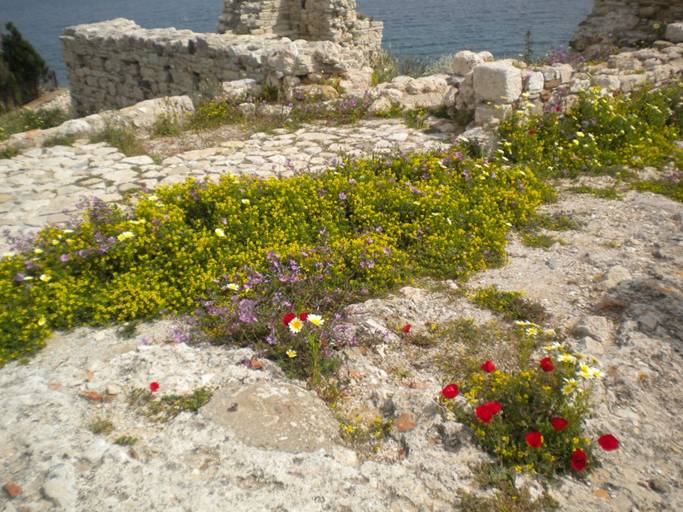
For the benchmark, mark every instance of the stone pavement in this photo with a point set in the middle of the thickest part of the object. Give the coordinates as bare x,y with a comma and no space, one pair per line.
45,185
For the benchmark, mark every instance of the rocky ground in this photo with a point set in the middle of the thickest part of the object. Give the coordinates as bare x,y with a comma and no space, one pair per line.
266,443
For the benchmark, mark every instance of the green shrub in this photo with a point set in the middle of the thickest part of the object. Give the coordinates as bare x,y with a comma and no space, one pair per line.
337,236
28,119
167,407
671,187
599,133
510,305
533,419
603,193
120,137
166,126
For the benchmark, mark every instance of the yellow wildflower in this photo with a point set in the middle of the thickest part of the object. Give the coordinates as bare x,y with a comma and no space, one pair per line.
219,233
296,325
291,353
125,236
316,320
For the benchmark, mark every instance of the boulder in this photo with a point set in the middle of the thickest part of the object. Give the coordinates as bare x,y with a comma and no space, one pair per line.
674,32
498,82
465,61
240,90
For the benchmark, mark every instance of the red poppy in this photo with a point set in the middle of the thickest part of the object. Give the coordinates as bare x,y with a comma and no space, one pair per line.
406,328
450,391
303,316
532,131
558,108
559,424
608,442
534,439
579,460
488,367
154,386
547,364
485,412
288,318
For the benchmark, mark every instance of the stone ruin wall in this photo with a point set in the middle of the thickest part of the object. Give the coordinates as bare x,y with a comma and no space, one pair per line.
619,23
114,64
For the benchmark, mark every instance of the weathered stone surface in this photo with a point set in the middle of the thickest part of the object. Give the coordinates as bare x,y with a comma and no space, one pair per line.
283,417
465,61
674,32
498,82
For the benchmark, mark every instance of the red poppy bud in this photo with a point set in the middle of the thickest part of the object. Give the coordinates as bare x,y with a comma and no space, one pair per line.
154,386
534,439
559,424
579,460
547,364
488,367
450,391
608,442
406,328
288,318
303,316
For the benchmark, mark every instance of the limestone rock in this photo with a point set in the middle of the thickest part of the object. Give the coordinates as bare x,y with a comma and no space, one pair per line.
465,61
60,487
674,32
240,90
596,327
497,82
289,418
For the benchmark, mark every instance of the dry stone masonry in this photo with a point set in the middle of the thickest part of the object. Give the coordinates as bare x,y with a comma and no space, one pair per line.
625,22
113,64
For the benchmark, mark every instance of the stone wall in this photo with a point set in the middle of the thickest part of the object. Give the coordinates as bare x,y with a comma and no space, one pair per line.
624,23
279,43
314,20
116,63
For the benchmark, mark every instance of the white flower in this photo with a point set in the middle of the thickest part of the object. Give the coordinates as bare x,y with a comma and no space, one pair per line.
219,233
585,371
125,236
246,202
569,386
232,286
45,278
595,373
37,251
67,231
291,353
316,320
295,325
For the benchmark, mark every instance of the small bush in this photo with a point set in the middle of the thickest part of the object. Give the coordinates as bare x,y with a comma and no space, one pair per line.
29,119
120,137
167,407
126,440
539,240
533,419
603,193
510,305
101,426
166,126
671,187
598,134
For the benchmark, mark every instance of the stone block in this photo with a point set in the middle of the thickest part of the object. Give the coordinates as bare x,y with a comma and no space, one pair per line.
486,113
674,32
497,82
534,82
465,61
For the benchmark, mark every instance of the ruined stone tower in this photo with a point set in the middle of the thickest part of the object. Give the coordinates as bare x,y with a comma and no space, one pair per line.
313,20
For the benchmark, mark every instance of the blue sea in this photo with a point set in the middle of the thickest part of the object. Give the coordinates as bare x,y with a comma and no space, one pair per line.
416,28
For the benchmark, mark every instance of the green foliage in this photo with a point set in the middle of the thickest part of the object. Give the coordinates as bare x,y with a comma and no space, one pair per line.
528,53
603,193
126,440
599,133
365,437
101,426
30,119
167,407
507,498
22,69
387,66
671,187
509,305
529,399
539,240
415,118
59,140
120,137
321,241
9,152
510,345
166,126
